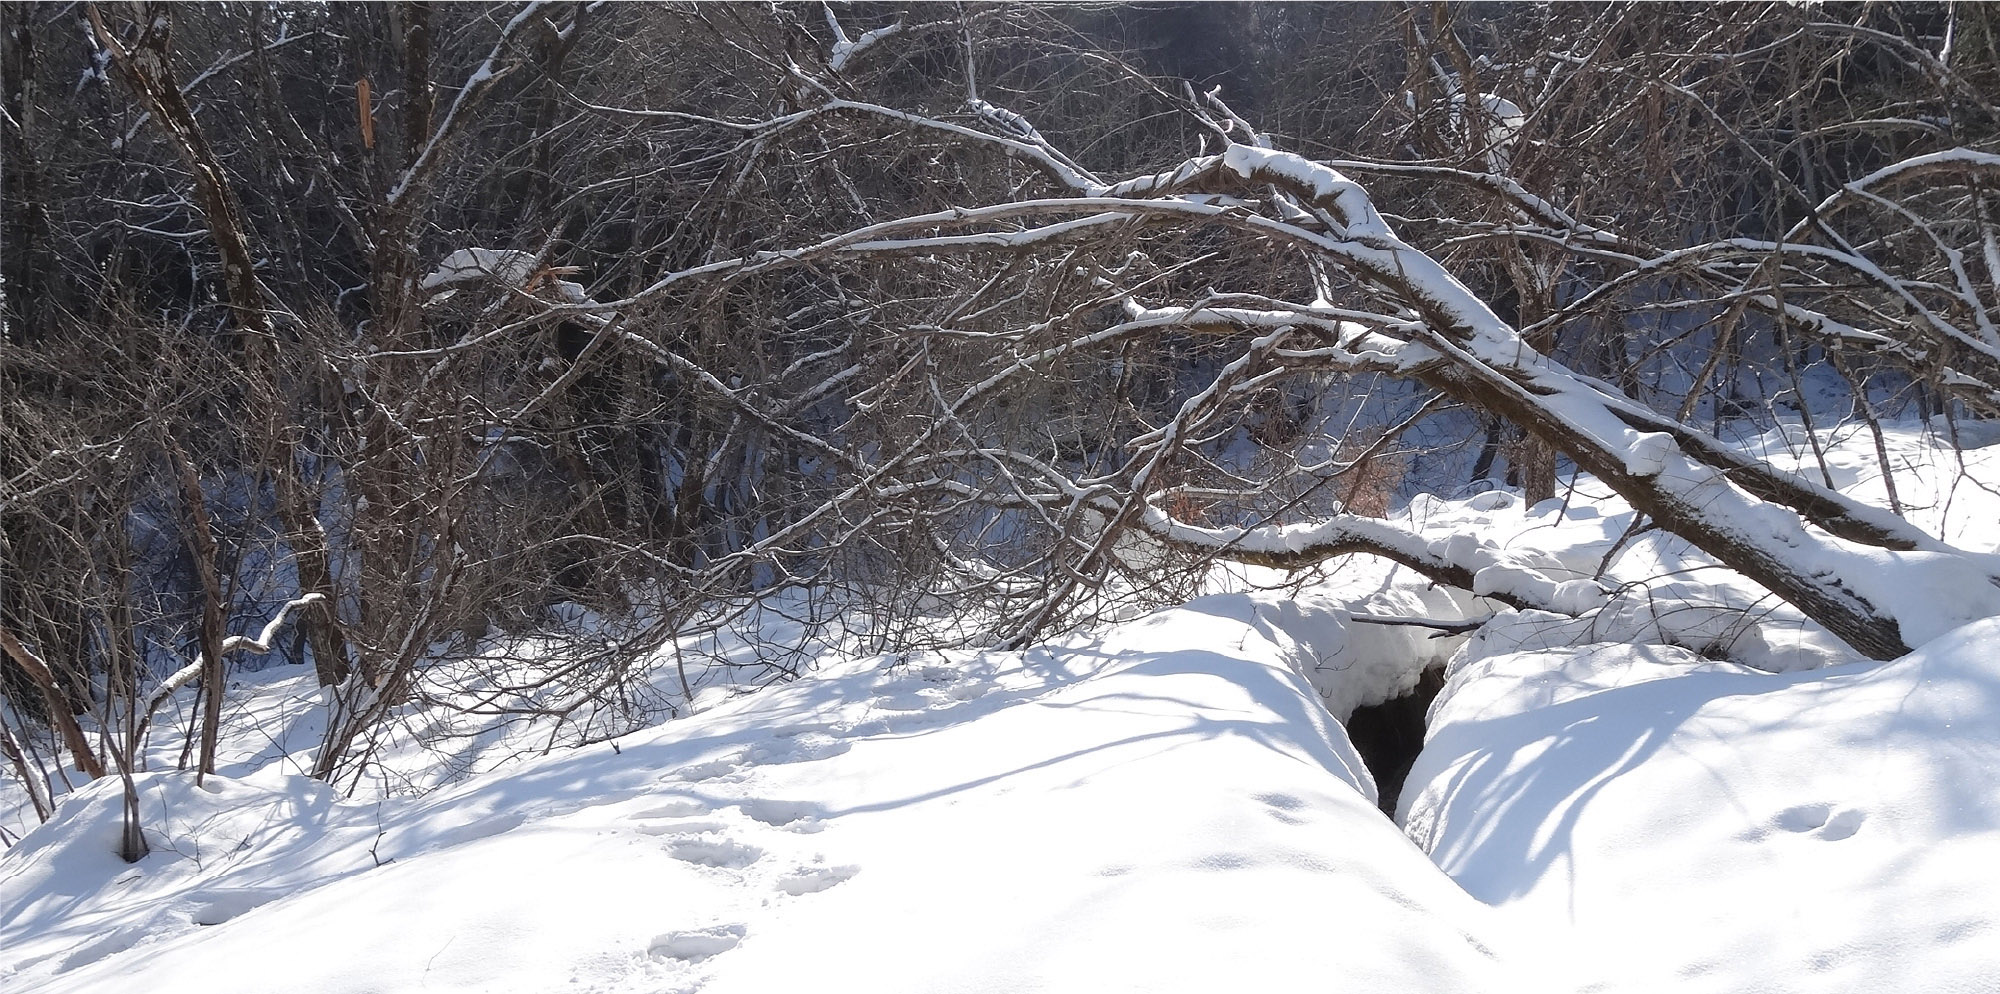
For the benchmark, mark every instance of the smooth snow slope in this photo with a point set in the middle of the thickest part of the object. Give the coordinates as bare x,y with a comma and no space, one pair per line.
1164,809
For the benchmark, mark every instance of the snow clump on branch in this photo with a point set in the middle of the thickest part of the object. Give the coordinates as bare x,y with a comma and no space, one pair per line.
510,267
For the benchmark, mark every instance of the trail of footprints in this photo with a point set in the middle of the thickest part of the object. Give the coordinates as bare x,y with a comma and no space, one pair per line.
725,838
721,840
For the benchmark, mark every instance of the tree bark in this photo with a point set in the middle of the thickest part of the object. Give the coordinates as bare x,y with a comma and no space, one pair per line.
147,68
201,546
59,709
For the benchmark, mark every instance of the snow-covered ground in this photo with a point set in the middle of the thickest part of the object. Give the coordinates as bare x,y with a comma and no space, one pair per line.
1165,808
1699,826
1166,805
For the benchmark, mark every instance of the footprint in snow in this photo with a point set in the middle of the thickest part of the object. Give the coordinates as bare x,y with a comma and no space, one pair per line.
904,703
676,807
790,815
698,944
1843,825
221,905
1822,820
714,769
803,747
706,851
1282,807
813,879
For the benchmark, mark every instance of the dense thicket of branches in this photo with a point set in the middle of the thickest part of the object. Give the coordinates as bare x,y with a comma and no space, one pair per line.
428,324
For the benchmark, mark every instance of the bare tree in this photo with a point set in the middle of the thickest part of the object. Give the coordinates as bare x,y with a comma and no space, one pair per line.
1381,305
427,327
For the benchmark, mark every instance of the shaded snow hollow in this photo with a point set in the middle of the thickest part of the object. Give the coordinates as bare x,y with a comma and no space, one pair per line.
1167,806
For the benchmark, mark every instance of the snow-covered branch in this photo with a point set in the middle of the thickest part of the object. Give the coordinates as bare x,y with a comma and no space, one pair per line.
847,49
475,87
264,642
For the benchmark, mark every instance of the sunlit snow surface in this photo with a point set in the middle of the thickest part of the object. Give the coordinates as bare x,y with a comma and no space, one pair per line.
1163,809
1670,822
1167,806
1695,826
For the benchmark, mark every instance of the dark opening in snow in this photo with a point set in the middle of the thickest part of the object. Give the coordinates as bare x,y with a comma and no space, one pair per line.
1389,735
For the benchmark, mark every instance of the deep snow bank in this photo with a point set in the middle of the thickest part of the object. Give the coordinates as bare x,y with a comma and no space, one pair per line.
1164,808
1784,822
1694,826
